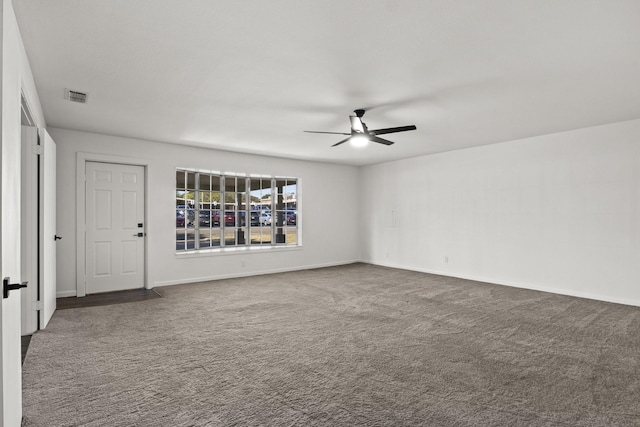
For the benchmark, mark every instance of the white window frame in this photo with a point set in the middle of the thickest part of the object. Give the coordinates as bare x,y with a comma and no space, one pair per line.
242,235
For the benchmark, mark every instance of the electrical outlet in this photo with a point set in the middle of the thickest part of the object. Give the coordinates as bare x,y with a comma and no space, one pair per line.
446,259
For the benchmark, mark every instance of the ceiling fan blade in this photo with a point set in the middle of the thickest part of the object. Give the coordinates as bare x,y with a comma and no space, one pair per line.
392,130
332,133
342,142
380,140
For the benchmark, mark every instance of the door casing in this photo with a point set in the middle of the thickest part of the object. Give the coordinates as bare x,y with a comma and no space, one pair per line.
29,226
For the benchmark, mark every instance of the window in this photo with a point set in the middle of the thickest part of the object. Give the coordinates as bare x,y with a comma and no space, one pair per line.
232,210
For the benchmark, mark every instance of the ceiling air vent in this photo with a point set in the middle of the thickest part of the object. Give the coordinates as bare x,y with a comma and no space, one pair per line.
75,96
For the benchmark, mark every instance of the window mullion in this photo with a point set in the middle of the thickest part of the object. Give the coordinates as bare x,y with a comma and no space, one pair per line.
196,210
223,210
247,210
273,211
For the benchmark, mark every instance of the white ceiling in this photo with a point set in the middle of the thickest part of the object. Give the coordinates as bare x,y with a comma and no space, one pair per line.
250,76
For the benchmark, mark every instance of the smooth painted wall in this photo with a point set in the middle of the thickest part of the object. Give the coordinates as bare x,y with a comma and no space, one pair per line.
559,213
328,210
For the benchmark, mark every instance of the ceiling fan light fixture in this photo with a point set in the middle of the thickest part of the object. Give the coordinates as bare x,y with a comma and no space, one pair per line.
359,140
360,135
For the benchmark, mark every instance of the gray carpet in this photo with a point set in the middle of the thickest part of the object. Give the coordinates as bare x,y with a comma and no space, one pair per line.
355,345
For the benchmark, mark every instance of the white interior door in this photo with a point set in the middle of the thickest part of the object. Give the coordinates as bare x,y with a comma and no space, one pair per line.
114,227
48,235
10,363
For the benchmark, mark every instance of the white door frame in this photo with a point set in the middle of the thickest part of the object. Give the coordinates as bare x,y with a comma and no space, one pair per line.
81,250
29,225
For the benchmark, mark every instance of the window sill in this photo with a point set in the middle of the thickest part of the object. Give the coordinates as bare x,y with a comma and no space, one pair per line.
201,253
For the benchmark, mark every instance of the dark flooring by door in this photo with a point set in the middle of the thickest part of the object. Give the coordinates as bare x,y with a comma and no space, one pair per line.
26,339
107,298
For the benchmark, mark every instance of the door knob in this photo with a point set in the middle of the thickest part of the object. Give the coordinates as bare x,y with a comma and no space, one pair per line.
56,237
139,235
6,287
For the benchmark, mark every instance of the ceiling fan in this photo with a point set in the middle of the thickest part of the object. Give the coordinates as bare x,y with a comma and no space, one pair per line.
360,135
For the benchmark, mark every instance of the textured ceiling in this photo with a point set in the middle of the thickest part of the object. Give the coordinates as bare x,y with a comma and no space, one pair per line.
250,76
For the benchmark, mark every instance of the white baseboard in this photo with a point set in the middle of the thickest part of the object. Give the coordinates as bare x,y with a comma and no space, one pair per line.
66,294
533,287
249,274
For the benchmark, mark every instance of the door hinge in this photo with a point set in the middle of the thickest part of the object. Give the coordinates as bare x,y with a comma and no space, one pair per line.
37,305
37,149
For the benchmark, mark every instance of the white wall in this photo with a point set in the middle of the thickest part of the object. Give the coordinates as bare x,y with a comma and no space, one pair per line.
558,212
329,195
